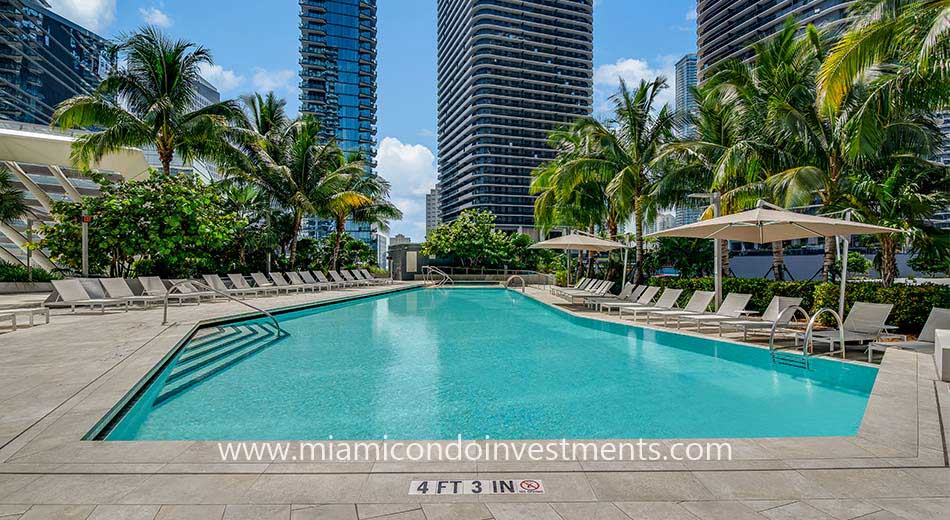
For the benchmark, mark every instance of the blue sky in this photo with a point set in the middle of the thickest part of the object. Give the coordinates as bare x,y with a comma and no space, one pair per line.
254,43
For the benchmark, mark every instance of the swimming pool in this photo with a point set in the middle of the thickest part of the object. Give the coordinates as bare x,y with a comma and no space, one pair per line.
429,364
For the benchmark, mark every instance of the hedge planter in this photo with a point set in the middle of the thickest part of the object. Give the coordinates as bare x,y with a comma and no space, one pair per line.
25,287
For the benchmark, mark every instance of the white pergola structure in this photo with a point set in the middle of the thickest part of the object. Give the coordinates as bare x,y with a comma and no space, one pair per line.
39,160
764,225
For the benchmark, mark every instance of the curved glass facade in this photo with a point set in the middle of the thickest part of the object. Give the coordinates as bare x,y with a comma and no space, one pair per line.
510,71
728,29
338,70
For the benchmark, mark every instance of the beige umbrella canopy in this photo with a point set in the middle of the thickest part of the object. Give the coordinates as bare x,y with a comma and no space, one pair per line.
763,225
582,242
579,242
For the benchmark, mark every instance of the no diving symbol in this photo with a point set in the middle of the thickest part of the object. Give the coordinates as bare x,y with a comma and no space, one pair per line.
530,485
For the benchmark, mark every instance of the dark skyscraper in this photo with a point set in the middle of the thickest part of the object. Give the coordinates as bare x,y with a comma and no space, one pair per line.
509,72
729,28
338,70
44,59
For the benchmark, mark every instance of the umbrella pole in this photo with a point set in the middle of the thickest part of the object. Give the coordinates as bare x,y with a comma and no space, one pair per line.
844,270
717,245
626,251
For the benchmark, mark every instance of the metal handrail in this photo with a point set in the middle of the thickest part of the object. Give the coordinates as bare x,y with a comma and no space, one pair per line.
795,309
176,285
429,269
810,330
513,277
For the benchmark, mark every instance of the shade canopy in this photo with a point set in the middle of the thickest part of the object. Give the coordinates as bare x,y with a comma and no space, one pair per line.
24,146
763,225
578,242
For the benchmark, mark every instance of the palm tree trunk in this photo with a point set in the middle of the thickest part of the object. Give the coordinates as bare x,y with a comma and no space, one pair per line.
829,260
298,217
340,223
166,156
724,257
888,260
778,261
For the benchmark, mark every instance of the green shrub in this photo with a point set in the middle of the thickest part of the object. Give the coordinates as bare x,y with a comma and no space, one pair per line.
912,303
18,273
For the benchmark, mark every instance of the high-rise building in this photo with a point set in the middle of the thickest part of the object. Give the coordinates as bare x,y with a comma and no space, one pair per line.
509,72
432,209
44,60
943,121
728,29
685,100
338,70
338,88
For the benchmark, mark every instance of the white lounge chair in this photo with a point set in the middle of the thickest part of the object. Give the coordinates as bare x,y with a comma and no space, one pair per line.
624,294
308,278
32,312
239,282
666,301
768,319
358,274
583,283
322,278
644,300
369,275
697,304
72,294
119,289
339,279
733,306
283,284
602,290
350,277
154,286
215,282
926,341
864,324
295,279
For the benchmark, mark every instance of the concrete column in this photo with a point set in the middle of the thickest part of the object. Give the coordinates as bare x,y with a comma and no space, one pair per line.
17,238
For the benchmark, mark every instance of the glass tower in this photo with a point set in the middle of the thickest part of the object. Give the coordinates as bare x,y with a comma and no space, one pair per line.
685,101
44,60
509,72
338,70
729,28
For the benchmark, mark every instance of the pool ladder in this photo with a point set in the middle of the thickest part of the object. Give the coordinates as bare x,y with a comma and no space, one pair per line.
783,356
429,270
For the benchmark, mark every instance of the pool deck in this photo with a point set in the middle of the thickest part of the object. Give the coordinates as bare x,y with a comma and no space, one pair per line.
58,380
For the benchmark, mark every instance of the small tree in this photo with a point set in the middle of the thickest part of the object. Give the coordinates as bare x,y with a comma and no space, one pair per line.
472,239
170,226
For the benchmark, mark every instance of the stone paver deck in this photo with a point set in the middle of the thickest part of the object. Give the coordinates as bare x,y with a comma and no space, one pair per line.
58,380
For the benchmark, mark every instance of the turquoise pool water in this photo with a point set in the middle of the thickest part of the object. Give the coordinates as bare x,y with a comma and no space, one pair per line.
435,363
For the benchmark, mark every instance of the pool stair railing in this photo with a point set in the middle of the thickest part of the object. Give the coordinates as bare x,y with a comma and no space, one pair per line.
429,270
790,355
212,353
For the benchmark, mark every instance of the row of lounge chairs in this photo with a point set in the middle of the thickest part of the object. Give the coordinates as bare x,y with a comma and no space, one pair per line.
865,324
103,293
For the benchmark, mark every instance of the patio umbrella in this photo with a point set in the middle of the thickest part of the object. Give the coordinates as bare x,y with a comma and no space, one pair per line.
763,225
581,242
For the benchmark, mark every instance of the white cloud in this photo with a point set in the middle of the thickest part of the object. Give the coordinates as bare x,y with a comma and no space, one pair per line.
267,80
224,79
155,16
95,15
692,15
632,70
411,169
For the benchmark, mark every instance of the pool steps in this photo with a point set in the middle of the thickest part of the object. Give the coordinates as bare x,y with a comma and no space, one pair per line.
215,352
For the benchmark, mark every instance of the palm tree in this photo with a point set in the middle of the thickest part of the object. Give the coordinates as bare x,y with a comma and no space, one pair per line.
12,203
898,47
149,99
249,203
302,173
361,196
625,148
904,196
